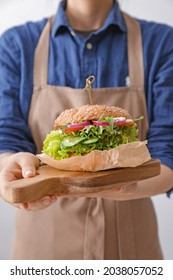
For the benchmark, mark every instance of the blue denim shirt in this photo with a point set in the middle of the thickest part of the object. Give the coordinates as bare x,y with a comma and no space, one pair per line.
71,61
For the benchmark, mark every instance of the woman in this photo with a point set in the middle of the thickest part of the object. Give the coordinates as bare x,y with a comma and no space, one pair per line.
42,65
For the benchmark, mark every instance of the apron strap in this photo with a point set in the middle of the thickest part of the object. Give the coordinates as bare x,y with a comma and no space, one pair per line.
41,57
135,54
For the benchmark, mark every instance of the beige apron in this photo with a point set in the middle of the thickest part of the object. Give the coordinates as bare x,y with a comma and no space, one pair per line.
87,228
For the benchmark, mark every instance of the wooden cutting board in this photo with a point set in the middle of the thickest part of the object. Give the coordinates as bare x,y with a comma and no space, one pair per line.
51,181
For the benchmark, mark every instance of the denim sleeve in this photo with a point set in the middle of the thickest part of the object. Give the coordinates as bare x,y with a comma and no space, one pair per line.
14,133
160,137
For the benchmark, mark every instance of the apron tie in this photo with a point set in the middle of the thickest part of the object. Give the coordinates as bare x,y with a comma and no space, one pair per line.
125,230
94,235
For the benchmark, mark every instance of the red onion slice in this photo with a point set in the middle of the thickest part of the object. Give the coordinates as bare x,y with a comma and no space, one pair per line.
97,123
85,123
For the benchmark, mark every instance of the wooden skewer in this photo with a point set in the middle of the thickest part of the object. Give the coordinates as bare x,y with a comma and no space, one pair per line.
89,81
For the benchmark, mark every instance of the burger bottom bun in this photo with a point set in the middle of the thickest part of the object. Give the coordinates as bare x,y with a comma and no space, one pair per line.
125,155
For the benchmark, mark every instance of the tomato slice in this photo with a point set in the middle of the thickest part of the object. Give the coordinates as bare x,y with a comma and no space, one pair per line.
127,123
73,129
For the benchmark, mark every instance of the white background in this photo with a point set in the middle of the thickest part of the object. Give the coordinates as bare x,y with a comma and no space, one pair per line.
14,12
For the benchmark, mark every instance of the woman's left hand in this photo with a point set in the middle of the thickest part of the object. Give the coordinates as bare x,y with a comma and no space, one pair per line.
124,191
135,190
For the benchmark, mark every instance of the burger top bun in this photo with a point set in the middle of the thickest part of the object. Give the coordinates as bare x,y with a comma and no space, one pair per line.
89,112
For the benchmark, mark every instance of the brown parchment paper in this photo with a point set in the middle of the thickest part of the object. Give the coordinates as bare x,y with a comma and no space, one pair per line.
126,155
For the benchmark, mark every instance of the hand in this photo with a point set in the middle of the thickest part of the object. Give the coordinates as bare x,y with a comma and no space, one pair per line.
22,165
37,204
145,188
126,191
123,191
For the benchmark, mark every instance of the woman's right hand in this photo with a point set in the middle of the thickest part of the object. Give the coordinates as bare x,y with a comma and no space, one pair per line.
22,165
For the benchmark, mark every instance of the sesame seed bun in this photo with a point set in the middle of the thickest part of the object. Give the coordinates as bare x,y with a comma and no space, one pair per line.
89,112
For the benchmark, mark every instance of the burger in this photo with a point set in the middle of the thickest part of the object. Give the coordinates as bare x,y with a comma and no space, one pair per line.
79,131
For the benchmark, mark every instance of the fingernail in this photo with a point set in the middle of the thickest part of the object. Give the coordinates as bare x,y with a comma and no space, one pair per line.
46,201
28,173
117,190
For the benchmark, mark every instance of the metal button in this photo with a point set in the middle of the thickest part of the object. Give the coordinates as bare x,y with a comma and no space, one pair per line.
89,46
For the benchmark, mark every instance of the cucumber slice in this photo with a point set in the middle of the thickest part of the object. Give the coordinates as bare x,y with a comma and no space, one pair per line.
71,141
90,141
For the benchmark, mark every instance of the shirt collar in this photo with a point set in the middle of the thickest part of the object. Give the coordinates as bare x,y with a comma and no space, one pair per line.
115,18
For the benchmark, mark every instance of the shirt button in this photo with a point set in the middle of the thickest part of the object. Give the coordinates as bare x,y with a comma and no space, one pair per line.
89,46
72,33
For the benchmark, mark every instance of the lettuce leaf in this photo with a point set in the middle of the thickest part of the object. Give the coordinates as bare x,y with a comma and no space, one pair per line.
107,136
